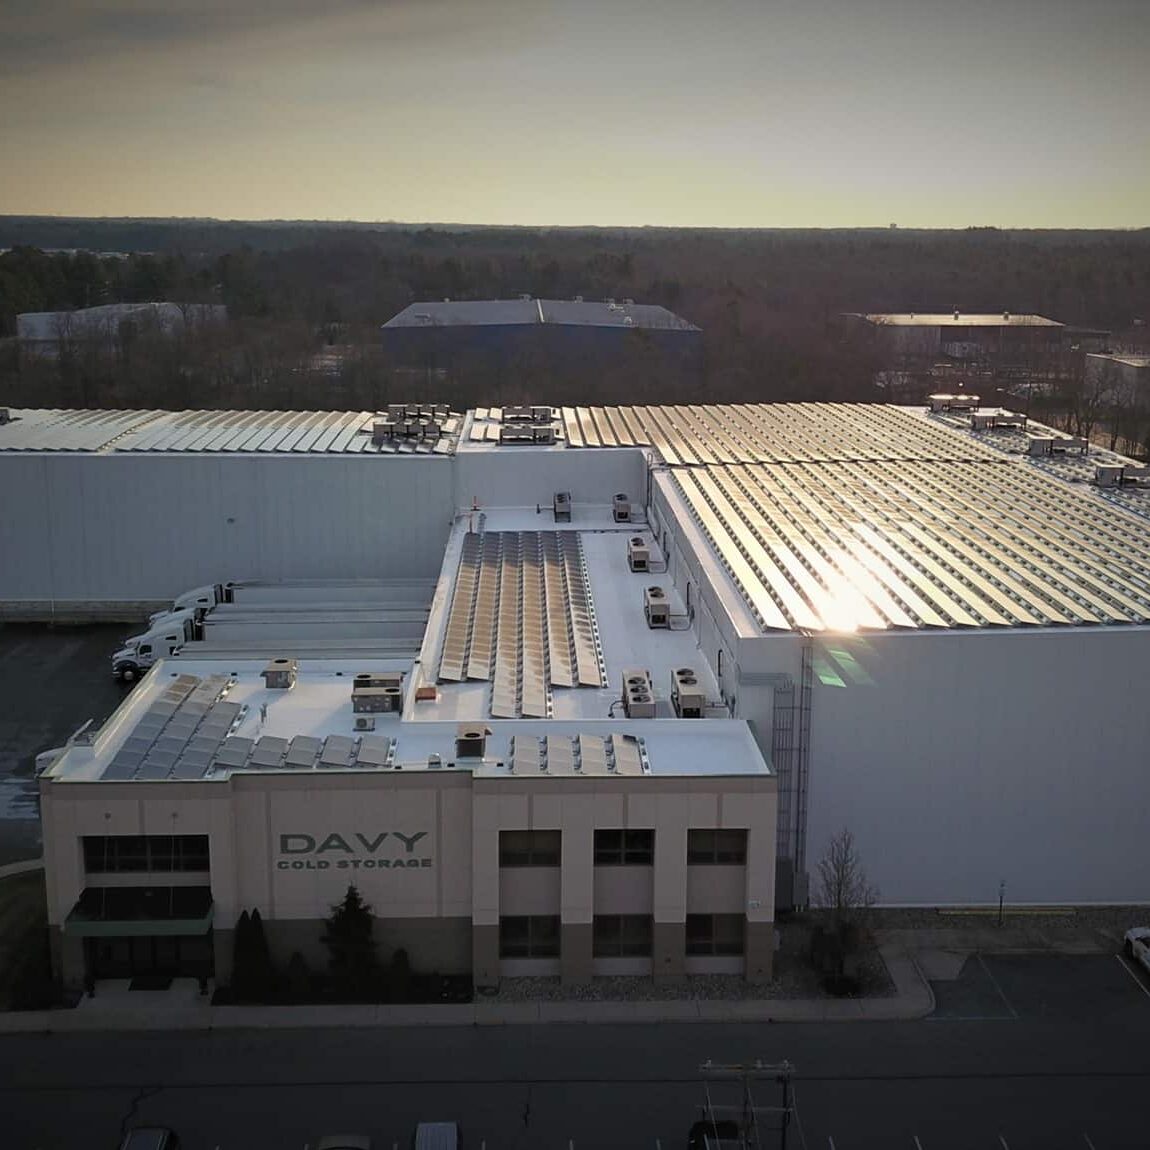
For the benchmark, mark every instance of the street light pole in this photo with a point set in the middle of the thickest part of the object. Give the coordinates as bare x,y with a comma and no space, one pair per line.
1001,899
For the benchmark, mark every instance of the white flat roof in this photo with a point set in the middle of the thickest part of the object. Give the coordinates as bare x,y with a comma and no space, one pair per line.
312,725
625,642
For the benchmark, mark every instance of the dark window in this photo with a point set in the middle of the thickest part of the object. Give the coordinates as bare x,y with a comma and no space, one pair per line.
724,848
529,936
146,649
624,848
119,854
715,934
529,848
622,936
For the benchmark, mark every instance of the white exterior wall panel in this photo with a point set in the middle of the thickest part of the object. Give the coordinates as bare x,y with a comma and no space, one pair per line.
129,528
962,761
510,478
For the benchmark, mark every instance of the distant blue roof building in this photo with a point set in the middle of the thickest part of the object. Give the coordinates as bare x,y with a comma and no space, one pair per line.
533,312
577,350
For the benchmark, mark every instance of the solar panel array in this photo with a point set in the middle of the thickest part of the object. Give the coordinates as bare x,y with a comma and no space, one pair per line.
179,734
305,753
704,435
281,432
914,544
522,617
579,755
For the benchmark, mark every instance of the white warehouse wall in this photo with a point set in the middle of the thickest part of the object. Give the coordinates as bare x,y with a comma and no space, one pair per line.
960,761
522,477
126,528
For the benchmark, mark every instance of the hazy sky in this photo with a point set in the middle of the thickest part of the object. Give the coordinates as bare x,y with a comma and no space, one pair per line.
718,112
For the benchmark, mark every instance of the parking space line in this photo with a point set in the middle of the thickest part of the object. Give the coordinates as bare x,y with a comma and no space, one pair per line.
1088,1142
1133,974
1005,1144
1006,1001
917,1143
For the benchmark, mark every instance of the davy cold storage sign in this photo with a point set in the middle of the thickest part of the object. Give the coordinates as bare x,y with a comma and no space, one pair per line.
357,850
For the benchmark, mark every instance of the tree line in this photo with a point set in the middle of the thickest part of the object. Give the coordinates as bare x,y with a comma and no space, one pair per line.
306,301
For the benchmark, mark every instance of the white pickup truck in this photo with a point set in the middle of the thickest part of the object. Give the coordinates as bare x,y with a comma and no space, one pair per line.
1137,946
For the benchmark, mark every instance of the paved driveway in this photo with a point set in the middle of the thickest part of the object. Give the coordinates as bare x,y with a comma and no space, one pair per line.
51,681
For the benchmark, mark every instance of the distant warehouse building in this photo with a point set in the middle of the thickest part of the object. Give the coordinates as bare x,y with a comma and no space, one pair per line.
916,351
45,332
561,345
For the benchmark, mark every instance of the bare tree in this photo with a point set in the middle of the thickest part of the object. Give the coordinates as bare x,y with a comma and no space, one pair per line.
843,890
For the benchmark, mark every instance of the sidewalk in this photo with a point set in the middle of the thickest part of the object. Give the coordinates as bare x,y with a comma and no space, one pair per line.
181,1008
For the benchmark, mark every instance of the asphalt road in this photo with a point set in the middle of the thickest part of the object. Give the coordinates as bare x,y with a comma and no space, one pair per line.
52,679
1066,1065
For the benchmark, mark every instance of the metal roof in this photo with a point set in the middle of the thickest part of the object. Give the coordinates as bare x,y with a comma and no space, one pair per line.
262,432
532,312
956,319
920,544
699,435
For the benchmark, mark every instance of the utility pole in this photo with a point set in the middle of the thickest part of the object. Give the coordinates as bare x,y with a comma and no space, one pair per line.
745,1073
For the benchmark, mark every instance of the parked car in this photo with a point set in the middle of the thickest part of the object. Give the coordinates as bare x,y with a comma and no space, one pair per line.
344,1142
150,1138
1137,946
436,1136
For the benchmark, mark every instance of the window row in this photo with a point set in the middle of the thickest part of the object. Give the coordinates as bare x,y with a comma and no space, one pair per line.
620,935
622,848
113,854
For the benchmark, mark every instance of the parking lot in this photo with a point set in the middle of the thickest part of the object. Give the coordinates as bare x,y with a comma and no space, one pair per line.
52,679
1055,987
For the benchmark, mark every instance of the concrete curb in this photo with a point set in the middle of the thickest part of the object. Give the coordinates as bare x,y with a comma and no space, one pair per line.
25,866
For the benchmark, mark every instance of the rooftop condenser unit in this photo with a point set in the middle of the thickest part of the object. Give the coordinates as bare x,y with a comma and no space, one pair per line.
562,506
638,554
656,607
687,695
638,695
621,508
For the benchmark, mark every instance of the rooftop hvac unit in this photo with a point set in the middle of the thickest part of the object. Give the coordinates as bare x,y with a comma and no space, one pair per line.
376,700
280,674
378,679
1039,445
381,430
1070,443
962,402
687,695
543,433
470,741
562,506
519,413
638,554
5,415
1109,474
638,695
396,412
432,429
365,722
656,607
516,433
621,508
542,414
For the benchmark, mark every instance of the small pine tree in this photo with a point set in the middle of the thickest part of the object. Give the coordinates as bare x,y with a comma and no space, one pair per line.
242,957
263,969
351,949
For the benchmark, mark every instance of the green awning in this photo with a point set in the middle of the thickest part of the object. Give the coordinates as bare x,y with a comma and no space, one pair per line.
134,912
